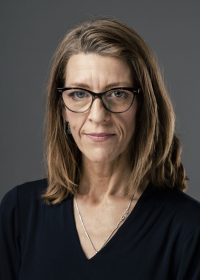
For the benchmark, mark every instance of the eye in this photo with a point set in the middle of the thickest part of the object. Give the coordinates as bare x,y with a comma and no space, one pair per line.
119,93
78,94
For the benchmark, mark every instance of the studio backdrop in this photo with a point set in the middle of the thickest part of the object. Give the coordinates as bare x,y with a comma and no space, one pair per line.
30,32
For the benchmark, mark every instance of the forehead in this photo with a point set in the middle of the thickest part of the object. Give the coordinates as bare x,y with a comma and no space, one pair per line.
97,70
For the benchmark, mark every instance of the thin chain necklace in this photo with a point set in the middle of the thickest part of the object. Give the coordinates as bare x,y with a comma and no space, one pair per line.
124,216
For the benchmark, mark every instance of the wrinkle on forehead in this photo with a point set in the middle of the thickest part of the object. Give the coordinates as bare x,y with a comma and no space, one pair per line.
97,72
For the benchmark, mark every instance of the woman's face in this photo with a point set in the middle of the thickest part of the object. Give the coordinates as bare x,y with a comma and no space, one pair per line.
100,135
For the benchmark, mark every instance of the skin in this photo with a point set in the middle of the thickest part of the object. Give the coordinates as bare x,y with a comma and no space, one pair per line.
105,169
106,161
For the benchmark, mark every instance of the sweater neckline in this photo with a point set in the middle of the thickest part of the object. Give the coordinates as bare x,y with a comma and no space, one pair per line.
121,231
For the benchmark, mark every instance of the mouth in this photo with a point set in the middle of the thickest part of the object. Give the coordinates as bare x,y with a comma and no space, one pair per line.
100,137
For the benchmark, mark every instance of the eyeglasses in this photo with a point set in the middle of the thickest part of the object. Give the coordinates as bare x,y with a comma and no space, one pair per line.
116,100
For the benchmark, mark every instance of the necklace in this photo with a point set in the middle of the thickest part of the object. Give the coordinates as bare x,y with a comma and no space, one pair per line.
124,216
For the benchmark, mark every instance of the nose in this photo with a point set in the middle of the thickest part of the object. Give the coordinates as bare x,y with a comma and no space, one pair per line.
97,112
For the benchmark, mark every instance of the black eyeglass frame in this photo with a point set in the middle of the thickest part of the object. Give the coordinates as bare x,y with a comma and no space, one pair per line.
135,91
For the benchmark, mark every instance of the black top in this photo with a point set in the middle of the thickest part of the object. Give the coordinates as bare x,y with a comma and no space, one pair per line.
159,240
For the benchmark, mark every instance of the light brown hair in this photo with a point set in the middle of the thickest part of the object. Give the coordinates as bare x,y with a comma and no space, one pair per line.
155,150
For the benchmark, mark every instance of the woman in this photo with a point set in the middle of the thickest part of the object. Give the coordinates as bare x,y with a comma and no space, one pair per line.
113,204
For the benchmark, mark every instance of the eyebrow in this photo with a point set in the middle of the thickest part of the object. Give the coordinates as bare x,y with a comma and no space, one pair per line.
109,86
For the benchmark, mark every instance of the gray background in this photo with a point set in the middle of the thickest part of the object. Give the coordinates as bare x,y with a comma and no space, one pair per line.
29,34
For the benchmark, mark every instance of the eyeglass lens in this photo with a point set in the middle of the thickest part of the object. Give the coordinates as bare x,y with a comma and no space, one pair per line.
115,100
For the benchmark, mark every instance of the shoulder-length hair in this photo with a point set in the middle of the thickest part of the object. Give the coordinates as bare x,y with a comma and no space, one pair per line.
155,154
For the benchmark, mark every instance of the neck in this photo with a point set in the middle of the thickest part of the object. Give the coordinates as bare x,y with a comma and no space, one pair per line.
100,181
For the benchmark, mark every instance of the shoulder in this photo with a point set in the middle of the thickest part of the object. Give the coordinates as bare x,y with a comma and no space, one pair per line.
25,193
180,208
183,204
21,206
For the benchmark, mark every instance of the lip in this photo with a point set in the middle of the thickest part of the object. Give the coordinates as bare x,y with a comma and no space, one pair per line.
100,137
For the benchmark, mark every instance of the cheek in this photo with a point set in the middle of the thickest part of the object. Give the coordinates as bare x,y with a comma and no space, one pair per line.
76,122
128,120
71,118
75,131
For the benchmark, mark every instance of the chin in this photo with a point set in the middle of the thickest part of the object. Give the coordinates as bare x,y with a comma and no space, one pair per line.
99,159
102,157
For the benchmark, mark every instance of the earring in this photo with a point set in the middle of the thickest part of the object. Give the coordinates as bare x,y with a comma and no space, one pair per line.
67,129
